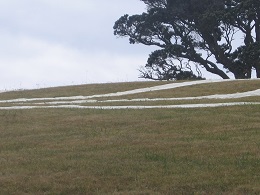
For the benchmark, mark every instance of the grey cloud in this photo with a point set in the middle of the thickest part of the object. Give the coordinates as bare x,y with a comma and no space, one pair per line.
66,37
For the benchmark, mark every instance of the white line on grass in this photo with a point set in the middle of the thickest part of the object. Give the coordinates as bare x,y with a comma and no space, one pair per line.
135,91
86,99
133,107
217,96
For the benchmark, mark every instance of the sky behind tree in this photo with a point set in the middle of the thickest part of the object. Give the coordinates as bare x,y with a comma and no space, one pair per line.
47,43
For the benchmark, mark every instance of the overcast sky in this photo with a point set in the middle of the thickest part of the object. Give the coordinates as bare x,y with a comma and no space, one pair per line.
47,43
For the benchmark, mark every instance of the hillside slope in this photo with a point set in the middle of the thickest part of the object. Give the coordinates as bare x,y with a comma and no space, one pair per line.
62,150
206,93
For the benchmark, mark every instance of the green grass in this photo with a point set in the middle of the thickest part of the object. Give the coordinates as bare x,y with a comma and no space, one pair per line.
150,151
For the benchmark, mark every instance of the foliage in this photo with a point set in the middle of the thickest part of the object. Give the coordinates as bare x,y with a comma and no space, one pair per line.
195,34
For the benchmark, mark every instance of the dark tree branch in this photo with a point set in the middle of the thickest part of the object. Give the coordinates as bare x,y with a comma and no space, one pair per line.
188,29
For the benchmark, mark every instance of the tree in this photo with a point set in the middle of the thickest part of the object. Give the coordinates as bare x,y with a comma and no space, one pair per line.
222,36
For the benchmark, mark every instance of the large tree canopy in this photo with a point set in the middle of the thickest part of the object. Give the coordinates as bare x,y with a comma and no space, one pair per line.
222,36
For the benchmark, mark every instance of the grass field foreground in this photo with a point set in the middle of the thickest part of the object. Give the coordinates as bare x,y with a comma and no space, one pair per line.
150,151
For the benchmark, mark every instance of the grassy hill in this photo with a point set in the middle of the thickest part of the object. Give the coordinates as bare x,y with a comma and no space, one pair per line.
131,151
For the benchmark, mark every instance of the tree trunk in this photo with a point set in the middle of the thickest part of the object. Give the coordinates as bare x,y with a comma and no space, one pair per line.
249,73
257,68
239,75
257,28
